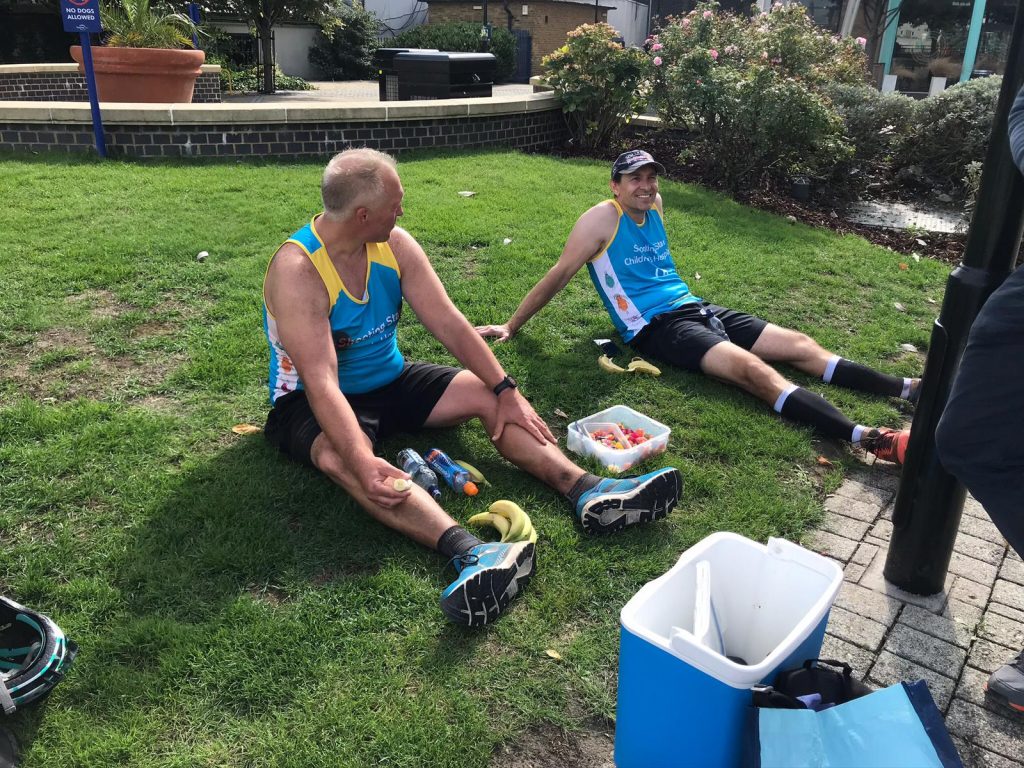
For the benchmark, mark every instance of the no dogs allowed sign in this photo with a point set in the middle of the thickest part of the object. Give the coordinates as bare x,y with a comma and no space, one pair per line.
81,15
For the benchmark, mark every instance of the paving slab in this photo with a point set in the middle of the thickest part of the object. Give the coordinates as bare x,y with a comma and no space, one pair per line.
890,669
923,649
858,630
983,528
999,629
972,568
892,215
1008,593
1006,610
865,493
974,756
972,688
970,592
1012,570
874,579
838,649
945,628
826,543
847,527
989,656
980,549
980,726
857,509
866,602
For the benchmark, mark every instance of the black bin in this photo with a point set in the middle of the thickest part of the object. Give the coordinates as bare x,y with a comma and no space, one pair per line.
443,75
387,77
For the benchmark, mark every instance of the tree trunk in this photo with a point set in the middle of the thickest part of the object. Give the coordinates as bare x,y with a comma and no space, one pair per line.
264,31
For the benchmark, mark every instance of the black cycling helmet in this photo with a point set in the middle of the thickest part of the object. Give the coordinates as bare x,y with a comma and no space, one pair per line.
34,655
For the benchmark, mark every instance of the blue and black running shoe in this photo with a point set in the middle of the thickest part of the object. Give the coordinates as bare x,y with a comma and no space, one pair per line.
490,575
611,505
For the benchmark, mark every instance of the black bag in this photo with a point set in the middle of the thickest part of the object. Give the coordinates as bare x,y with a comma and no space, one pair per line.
835,686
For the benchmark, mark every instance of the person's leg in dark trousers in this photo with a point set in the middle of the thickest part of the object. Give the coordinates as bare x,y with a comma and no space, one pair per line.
980,438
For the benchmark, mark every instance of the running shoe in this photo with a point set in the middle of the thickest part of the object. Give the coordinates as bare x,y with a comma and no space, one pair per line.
611,505
1007,683
490,575
887,444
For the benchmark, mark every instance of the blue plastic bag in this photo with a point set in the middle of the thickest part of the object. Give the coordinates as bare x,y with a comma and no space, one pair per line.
896,726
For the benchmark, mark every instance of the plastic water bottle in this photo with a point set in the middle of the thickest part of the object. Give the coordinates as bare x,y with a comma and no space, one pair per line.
422,474
453,474
713,323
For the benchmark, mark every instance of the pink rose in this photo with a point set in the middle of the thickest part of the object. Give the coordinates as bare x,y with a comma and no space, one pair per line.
707,14
764,55
657,61
862,42
655,47
730,50
686,23
700,82
713,54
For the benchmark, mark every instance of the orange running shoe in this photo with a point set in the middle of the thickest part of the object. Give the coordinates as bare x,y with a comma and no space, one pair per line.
887,444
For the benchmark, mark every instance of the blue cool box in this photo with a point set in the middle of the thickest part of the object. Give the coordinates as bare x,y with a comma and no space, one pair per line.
681,702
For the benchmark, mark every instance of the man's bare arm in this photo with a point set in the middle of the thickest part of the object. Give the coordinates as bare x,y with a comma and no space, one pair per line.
423,290
591,234
297,299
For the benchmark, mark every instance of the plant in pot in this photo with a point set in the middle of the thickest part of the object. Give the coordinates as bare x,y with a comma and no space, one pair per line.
147,56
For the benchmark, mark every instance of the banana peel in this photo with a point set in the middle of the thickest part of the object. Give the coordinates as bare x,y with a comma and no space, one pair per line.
605,364
476,474
639,365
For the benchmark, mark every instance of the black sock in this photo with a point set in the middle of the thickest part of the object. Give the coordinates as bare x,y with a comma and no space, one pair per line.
455,541
845,373
806,407
581,486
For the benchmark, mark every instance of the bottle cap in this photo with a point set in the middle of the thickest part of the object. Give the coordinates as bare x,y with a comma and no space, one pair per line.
470,488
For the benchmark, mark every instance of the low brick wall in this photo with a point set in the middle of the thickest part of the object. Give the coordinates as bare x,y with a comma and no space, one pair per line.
61,82
314,129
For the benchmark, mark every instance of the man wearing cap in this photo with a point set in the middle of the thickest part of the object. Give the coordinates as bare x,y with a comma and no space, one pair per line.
624,246
339,386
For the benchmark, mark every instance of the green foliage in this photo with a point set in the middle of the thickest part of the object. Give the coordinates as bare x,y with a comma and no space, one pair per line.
750,90
247,80
955,128
879,125
344,47
137,24
462,36
601,84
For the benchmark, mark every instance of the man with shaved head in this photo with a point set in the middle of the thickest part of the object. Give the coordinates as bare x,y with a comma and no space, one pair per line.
339,385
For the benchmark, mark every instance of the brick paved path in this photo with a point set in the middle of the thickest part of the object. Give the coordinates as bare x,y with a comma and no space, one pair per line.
952,640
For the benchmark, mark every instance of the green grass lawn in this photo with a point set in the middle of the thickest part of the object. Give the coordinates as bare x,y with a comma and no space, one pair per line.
234,609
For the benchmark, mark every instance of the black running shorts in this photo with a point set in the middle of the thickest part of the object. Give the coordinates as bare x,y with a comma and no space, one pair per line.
681,337
401,406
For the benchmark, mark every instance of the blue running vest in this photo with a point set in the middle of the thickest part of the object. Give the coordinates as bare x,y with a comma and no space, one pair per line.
363,329
635,276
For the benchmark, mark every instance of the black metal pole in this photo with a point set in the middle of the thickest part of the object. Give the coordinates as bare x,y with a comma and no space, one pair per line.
929,502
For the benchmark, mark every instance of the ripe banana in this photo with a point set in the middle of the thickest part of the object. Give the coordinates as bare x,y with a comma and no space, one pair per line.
606,364
476,474
495,521
519,522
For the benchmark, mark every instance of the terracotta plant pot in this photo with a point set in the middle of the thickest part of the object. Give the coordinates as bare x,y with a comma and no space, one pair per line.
160,75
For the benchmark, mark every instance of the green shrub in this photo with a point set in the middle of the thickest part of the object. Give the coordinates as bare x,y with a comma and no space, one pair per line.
955,127
246,80
601,84
462,36
878,125
343,49
750,91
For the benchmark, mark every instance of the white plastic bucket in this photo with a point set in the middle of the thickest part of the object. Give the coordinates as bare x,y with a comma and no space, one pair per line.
683,703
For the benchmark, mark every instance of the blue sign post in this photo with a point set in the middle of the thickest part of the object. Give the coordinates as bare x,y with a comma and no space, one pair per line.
83,17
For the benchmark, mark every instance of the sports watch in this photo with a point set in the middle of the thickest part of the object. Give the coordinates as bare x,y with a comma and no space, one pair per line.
507,383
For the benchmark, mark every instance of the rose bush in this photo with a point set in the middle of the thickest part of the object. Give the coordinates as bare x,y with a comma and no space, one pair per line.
601,83
751,91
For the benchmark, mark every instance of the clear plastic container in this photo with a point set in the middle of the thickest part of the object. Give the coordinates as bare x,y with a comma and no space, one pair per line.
617,460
